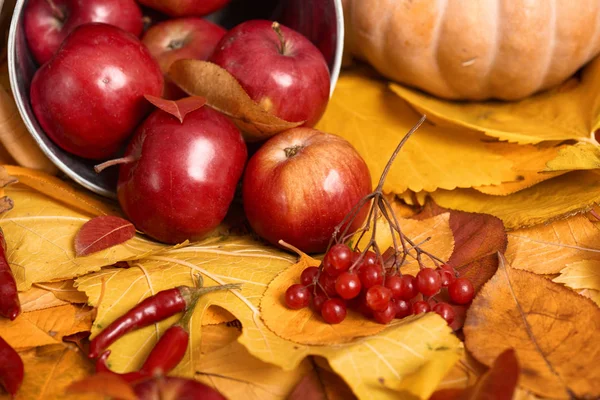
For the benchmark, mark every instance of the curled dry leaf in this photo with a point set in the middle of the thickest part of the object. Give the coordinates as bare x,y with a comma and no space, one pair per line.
549,248
553,330
569,111
101,233
547,201
61,191
224,93
177,108
5,178
303,326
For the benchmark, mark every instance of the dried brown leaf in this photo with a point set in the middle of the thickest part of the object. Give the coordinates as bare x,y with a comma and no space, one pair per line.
101,233
177,108
224,93
553,330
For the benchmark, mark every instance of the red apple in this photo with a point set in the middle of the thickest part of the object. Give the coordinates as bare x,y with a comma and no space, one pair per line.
185,8
184,176
89,97
183,38
48,22
300,184
279,69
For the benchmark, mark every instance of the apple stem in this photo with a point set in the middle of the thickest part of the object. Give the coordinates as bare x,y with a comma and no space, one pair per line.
56,10
277,28
388,166
292,151
117,161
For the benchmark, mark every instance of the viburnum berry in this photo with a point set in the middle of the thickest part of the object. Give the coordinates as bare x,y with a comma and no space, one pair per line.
337,259
420,307
403,308
327,282
445,310
461,291
396,285
409,288
429,281
297,296
334,311
370,258
387,314
309,275
348,285
447,274
318,300
378,297
370,275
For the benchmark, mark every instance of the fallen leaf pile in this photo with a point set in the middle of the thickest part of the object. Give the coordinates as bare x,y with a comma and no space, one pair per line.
506,193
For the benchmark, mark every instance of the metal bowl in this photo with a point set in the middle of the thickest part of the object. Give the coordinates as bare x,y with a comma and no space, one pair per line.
319,20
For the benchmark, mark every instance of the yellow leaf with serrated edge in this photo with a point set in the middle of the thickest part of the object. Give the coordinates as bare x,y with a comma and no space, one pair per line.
45,327
39,233
553,199
591,294
38,299
584,274
374,120
528,163
579,156
49,370
569,112
424,349
549,248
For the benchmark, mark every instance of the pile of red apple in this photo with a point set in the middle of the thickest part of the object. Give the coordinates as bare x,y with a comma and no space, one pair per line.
178,177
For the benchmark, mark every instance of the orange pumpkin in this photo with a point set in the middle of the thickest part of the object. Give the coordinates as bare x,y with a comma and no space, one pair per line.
475,49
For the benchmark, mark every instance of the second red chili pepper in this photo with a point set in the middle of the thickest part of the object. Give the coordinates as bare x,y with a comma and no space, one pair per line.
151,310
11,368
10,306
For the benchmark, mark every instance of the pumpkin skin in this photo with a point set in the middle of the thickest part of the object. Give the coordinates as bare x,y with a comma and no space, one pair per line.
475,49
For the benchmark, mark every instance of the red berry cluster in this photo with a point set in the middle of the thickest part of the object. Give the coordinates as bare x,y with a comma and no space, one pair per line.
358,280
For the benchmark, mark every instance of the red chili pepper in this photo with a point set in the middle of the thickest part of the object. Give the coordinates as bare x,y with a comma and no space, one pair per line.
166,354
151,310
10,306
11,368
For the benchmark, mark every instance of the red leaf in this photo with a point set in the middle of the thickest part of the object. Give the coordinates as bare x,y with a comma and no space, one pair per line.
178,108
106,384
101,233
497,383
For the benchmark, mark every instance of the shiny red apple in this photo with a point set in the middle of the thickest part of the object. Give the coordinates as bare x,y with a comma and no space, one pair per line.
185,8
48,22
279,68
181,38
89,97
300,184
184,175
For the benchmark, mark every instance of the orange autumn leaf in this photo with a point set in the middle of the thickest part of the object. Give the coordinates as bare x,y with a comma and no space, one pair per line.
45,327
547,324
48,372
549,248
38,299
101,233
65,291
224,93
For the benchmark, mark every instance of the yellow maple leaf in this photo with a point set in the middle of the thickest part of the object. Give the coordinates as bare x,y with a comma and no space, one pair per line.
49,370
373,119
553,199
568,112
549,248
584,274
45,327
412,367
39,233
